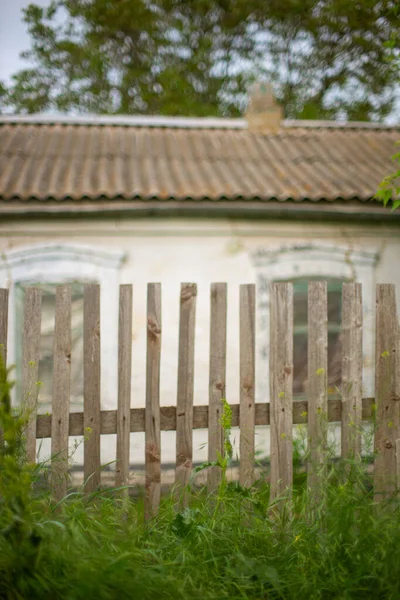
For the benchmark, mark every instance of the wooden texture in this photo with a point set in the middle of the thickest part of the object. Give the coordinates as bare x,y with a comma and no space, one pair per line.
3,323
61,392
398,464
184,403
152,418
247,383
281,386
217,381
124,385
352,364
91,376
30,365
108,423
386,390
3,336
317,380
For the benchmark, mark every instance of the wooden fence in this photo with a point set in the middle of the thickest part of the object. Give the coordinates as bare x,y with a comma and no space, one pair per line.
280,413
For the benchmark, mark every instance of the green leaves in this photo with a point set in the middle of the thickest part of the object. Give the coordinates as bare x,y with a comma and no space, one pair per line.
389,188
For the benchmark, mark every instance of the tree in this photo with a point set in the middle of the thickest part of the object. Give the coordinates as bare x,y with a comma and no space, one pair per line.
326,58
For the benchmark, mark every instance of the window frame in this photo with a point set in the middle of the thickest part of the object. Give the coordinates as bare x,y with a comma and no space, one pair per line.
44,406
62,263
315,261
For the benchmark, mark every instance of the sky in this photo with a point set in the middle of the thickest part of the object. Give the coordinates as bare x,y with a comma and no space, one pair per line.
13,36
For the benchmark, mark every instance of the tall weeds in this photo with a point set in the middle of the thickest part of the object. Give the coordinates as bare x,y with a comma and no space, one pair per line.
100,548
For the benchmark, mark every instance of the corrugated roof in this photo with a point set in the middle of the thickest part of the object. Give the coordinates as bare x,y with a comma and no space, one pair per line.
109,160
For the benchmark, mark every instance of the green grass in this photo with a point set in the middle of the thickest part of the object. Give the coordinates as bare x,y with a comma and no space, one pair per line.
231,545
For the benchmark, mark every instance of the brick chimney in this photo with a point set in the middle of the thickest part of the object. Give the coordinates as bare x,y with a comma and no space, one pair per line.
264,114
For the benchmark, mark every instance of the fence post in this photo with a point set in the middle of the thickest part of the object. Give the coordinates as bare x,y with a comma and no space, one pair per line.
152,418
124,386
184,404
352,362
217,382
247,383
91,382
281,387
387,397
317,381
61,392
30,365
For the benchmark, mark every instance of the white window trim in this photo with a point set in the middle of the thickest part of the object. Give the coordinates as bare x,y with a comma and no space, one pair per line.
63,263
315,260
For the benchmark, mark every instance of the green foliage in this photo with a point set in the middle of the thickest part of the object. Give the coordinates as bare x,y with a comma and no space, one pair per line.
389,188
224,458
17,524
99,547
327,58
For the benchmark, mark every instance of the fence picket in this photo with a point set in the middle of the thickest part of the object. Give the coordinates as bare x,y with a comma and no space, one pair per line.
124,385
61,392
30,365
3,323
352,362
387,394
91,375
281,386
317,380
153,450
247,383
3,335
184,404
398,464
217,382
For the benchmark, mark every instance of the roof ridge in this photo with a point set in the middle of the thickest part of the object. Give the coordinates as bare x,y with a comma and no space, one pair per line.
181,122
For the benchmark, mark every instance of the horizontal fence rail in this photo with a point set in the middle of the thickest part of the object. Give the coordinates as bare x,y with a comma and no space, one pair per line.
168,418
280,413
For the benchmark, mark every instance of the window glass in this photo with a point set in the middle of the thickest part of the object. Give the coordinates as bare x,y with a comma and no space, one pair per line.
300,340
47,342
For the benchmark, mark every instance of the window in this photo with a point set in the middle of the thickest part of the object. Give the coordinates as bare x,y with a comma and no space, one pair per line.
49,265
301,263
300,335
47,341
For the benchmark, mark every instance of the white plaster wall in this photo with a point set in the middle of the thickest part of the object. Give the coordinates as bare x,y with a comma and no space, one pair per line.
201,251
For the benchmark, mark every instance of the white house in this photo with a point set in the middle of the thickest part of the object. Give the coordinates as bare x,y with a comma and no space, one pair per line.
114,199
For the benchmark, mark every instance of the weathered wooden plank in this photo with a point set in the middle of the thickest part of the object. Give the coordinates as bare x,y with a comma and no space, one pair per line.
152,418
3,323
124,385
3,336
317,380
30,365
184,404
352,363
200,417
217,381
281,386
398,464
386,390
247,383
91,376
61,392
